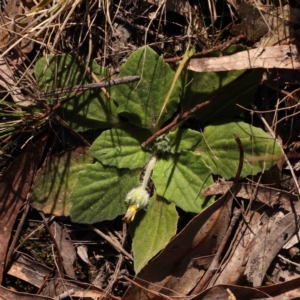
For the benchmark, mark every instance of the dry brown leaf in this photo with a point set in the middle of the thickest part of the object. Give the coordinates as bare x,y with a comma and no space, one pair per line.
284,57
232,270
283,291
263,194
66,248
260,238
220,292
266,245
179,267
14,187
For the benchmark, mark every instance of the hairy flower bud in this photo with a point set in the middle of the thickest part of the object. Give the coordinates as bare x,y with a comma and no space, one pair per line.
138,196
136,199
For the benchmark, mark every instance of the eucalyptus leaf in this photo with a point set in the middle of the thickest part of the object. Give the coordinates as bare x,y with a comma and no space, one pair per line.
89,110
183,139
121,147
181,178
152,230
221,153
99,193
141,102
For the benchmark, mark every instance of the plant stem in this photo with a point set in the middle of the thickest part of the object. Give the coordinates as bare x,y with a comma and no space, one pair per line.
148,172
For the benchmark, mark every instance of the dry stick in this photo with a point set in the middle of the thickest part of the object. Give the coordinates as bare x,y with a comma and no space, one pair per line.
236,214
188,114
90,86
92,74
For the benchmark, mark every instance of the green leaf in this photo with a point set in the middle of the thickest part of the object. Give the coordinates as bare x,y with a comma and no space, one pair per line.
141,102
91,109
183,139
99,193
221,153
181,178
54,181
199,87
152,230
121,147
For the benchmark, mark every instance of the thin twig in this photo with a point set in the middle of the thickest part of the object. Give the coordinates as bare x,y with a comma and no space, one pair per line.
46,279
112,242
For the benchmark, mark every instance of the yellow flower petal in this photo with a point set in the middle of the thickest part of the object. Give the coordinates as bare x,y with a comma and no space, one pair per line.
130,214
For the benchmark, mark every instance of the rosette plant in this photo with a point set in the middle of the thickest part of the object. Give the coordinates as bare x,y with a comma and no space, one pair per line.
178,163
